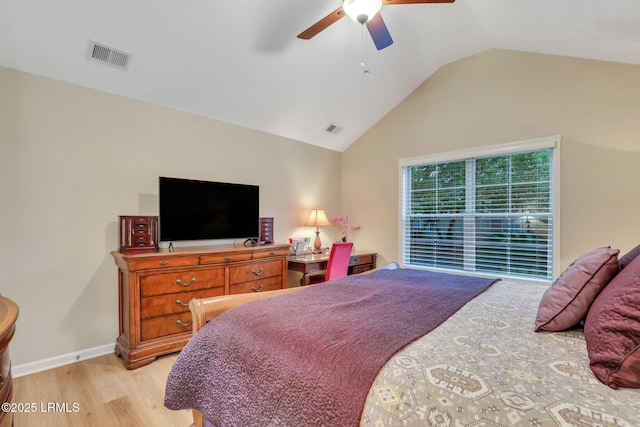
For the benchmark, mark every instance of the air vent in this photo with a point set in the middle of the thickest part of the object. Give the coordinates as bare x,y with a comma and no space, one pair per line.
108,55
334,129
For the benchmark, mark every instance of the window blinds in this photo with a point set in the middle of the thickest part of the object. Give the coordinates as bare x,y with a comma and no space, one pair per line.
485,214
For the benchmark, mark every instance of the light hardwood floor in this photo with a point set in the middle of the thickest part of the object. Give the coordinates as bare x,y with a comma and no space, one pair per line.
104,393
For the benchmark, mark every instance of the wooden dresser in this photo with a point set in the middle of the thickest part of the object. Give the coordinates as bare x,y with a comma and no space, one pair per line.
8,317
154,289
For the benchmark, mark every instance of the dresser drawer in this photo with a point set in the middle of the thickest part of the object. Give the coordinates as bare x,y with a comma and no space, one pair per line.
361,268
141,221
162,262
174,303
225,257
260,285
180,281
268,253
361,259
161,326
254,271
140,242
139,232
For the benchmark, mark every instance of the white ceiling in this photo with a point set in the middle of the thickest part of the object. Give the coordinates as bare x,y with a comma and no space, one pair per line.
240,61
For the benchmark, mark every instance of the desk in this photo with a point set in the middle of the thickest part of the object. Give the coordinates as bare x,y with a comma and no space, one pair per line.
305,264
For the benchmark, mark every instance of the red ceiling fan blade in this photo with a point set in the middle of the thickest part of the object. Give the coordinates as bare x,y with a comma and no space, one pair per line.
415,1
379,33
322,24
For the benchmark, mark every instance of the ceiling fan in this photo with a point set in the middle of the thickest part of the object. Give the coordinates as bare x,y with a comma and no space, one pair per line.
365,12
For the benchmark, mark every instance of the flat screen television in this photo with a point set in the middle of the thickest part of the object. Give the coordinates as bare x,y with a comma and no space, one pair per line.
206,210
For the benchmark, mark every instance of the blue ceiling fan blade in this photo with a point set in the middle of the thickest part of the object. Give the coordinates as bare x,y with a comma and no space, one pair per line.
379,33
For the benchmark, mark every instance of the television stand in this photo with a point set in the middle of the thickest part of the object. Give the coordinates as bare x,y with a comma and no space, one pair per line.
154,290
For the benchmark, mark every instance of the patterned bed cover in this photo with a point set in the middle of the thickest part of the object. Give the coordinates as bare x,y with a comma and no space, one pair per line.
485,366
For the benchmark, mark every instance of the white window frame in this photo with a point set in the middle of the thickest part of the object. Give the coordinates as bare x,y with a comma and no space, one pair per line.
551,142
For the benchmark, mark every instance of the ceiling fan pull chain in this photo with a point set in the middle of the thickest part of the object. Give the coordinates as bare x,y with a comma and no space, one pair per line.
363,52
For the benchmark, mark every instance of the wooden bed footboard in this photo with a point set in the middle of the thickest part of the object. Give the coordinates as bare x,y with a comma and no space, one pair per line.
205,309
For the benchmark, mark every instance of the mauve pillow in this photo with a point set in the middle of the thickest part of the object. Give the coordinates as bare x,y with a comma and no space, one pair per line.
567,301
629,256
612,330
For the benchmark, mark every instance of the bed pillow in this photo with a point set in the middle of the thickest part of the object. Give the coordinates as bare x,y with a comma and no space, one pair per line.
567,301
612,330
629,256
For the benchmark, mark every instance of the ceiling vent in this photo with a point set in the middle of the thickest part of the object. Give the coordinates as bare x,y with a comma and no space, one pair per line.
334,129
108,55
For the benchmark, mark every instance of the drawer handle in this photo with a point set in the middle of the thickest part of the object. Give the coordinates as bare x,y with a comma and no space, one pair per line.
180,282
228,258
163,262
181,323
258,273
273,252
182,303
355,259
253,288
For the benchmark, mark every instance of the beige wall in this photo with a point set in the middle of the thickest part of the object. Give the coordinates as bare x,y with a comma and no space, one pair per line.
73,159
502,96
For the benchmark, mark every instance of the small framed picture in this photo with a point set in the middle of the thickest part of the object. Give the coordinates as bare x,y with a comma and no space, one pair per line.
299,245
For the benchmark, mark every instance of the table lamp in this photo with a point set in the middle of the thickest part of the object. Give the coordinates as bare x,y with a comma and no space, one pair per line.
317,218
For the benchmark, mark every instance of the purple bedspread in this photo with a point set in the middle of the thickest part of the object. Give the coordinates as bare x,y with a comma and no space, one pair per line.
309,358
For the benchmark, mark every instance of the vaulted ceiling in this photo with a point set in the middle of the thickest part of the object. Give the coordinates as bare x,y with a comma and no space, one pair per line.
240,61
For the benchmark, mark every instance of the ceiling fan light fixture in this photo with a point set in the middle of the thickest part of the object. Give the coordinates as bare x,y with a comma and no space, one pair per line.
361,10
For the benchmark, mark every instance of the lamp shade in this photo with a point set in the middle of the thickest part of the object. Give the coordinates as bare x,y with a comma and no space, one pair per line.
317,218
361,10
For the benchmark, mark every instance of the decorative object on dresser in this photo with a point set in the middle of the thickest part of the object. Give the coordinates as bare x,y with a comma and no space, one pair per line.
8,316
266,231
138,233
154,290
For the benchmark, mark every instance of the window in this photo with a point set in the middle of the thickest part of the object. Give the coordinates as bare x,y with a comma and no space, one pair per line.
491,212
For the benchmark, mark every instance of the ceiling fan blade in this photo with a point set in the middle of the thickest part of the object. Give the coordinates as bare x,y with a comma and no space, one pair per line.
379,33
415,1
322,24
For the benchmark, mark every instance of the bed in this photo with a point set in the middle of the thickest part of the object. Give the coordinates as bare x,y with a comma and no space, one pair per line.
481,365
